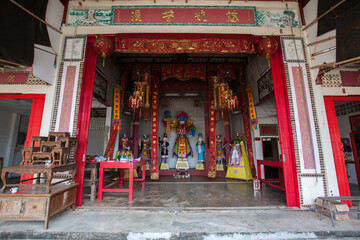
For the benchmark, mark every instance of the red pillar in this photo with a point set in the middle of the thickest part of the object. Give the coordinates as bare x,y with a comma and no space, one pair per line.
207,131
285,129
212,121
154,169
245,114
227,138
84,115
135,137
337,148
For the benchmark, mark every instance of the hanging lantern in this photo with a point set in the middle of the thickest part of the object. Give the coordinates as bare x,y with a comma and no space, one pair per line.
223,96
140,99
104,46
266,47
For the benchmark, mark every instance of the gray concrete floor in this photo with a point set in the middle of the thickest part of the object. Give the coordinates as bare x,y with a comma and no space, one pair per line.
195,194
187,210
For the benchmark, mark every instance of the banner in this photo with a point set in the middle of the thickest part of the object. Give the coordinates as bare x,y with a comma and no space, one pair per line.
184,15
198,44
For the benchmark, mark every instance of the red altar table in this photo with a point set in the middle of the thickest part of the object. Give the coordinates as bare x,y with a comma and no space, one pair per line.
268,181
121,165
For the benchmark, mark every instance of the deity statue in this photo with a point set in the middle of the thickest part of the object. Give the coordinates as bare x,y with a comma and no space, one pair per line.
182,148
145,150
219,150
164,144
183,126
238,167
236,153
124,153
200,148
220,156
124,143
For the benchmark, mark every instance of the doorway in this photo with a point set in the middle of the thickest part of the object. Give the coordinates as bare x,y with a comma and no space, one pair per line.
281,102
341,115
23,112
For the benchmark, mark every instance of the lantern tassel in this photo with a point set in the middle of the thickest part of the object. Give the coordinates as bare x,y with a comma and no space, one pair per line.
103,55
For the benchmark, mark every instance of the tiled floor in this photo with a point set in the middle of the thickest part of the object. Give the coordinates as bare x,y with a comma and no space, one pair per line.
194,193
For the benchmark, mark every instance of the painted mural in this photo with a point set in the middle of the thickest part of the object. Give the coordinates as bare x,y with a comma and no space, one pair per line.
276,18
89,17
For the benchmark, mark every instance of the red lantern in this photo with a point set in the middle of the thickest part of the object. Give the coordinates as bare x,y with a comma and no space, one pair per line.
266,47
105,46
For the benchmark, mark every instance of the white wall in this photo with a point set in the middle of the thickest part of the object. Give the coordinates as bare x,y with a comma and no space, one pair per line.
310,35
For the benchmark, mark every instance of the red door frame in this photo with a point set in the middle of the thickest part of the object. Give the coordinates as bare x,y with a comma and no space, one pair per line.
356,156
84,114
282,106
37,109
285,129
336,144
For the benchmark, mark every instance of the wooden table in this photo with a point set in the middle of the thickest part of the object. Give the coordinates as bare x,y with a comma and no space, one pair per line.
37,169
348,198
35,204
121,165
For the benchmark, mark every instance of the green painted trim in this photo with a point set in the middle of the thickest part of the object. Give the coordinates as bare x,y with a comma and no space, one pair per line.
184,24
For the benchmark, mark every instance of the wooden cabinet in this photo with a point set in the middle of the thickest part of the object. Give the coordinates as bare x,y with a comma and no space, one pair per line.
31,204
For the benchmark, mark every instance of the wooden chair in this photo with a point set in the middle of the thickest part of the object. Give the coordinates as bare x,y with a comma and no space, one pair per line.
60,155
53,136
38,140
27,154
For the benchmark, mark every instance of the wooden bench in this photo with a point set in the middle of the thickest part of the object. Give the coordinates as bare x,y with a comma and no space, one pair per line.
328,199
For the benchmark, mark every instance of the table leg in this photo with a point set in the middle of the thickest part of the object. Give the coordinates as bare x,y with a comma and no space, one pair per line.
259,175
73,173
121,177
131,183
322,210
143,177
4,178
49,176
331,214
101,184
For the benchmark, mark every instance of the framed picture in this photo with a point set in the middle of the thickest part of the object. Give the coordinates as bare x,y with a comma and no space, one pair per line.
100,85
346,144
293,49
74,49
355,123
265,85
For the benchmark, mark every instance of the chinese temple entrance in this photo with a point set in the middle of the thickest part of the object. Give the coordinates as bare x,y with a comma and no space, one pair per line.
182,88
